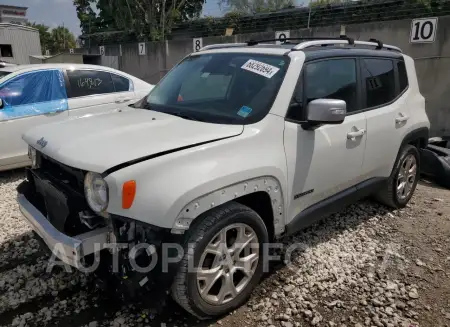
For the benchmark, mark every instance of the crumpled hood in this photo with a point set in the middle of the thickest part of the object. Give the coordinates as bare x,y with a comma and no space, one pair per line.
99,142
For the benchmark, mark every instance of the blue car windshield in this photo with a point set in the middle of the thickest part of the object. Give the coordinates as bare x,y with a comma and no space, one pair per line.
230,88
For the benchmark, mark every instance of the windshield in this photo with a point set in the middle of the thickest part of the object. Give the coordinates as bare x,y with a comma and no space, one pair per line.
231,88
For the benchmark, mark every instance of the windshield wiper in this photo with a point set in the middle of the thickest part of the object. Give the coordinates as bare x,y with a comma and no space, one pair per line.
182,115
147,106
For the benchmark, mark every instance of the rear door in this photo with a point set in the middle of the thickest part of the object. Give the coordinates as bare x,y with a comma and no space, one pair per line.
29,99
385,89
94,91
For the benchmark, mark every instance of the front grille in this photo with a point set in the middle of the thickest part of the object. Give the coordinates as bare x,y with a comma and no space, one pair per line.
71,177
57,190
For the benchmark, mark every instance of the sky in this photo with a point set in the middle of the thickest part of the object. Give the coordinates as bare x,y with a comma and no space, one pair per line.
58,12
50,12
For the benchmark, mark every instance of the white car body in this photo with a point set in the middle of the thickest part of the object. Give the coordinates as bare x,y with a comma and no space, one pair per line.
288,168
13,154
235,159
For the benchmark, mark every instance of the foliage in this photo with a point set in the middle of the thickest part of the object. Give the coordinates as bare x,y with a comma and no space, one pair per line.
55,40
140,19
44,35
318,13
256,6
121,21
62,39
87,16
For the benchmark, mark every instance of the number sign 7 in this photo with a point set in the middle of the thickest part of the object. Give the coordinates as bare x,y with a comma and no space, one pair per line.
142,49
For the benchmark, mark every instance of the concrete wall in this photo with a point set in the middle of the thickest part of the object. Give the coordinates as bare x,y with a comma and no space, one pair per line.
24,41
65,58
432,59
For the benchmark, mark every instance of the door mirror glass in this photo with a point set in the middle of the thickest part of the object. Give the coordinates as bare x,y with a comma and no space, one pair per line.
326,111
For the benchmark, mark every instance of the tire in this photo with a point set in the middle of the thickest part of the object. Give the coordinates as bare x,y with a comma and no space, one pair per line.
186,287
388,195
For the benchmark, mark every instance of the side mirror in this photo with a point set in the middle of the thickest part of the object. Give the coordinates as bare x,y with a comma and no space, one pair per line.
326,111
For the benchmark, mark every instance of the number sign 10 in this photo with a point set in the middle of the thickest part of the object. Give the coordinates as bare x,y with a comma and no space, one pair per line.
197,44
423,30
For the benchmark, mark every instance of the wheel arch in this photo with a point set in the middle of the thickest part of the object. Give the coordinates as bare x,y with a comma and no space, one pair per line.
418,138
260,194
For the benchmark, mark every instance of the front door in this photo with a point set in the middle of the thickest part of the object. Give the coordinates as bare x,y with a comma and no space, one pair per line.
328,159
29,99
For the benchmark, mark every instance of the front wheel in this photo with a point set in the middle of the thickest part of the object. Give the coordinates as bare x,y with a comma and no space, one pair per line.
223,261
401,184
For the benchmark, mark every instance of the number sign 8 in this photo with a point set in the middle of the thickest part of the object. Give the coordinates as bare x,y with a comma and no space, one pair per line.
197,44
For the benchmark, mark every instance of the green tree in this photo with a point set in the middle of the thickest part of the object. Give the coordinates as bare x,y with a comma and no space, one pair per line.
56,39
250,7
146,19
61,39
87,16
44,35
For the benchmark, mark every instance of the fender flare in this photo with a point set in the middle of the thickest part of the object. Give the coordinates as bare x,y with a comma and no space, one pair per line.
420,133
200,205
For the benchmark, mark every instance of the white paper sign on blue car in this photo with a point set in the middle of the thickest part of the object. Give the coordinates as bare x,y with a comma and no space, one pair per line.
260,68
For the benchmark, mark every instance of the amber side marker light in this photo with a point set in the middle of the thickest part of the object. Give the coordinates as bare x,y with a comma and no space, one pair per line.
128,194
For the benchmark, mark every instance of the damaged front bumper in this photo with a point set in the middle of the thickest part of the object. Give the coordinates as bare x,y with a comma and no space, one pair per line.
116,249
70,250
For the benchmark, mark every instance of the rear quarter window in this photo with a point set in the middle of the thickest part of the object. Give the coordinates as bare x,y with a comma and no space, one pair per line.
121,84
402,76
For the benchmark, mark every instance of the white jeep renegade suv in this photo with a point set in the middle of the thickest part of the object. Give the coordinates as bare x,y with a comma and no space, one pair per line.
238,145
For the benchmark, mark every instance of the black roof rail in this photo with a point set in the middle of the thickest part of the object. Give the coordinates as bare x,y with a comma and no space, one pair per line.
380,44
304,38
311,41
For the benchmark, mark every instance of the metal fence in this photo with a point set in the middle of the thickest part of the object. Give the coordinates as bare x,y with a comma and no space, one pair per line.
345,12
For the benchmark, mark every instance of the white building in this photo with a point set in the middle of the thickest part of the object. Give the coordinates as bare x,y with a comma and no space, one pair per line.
18,42
13,14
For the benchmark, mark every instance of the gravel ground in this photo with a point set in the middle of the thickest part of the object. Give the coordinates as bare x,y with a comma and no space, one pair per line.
365,266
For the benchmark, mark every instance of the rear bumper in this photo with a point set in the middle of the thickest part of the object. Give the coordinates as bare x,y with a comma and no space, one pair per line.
70,250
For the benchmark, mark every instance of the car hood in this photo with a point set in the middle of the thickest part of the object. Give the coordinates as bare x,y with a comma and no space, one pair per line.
99,142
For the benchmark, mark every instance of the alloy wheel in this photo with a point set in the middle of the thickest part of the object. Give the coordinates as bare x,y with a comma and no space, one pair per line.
228,264
406,176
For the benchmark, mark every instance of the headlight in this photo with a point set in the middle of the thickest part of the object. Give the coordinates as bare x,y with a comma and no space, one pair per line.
33,157
96,192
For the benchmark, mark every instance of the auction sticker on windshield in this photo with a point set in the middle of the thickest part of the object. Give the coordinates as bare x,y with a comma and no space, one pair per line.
244,111
260,68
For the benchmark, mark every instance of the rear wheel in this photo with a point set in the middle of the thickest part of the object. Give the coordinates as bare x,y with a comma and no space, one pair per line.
401,184
225,251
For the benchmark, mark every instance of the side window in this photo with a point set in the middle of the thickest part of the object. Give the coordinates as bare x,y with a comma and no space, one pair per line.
379,79
89,82
332,79
121,84
36,87
402,76
32,94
